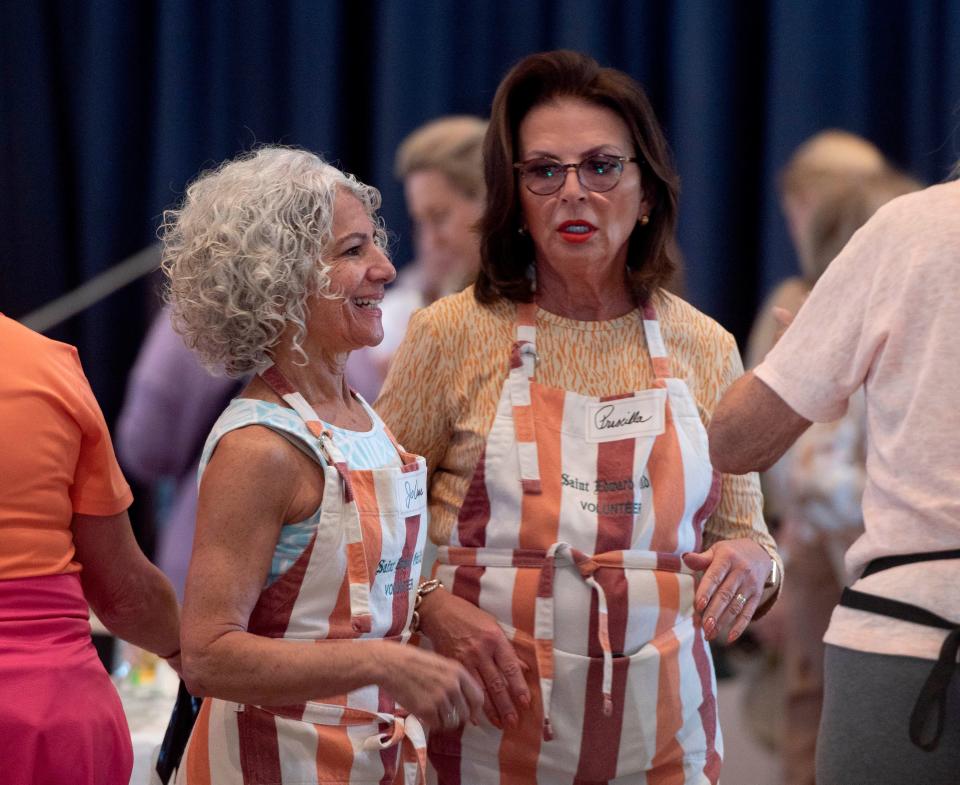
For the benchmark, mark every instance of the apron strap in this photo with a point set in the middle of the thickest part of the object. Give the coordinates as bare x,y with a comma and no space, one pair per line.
277,382
887,562
358,576
523,365
662,364
408,459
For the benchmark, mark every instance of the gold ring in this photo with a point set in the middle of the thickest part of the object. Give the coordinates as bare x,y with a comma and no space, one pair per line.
741,601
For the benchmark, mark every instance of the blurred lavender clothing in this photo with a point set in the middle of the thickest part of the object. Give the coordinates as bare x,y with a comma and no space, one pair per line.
171,402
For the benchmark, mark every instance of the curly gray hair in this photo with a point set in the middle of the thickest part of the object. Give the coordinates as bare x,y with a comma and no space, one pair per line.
245,250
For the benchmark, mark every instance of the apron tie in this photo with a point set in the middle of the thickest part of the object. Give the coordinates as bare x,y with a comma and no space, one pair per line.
933,694
586,567
543,624
403,729
932,700
407,731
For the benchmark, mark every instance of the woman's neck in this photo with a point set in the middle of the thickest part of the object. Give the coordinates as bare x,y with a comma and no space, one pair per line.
323,383
587,298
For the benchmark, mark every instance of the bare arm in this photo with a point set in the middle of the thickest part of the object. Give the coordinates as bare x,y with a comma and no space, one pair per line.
129,595
752,427
255,483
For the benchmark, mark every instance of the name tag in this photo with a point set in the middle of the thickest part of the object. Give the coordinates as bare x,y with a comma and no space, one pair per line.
411,489
629,418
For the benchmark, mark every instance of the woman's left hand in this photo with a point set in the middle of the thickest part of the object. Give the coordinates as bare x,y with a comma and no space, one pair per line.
731,588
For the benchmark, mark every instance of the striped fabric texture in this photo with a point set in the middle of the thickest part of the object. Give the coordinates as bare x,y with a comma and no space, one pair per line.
579,559
373,449
441,396
356,580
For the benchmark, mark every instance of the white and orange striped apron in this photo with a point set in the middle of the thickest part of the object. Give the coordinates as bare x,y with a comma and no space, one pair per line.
571,536
356,580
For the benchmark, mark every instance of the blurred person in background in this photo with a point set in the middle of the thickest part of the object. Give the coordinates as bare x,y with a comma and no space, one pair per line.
570,491
827,162
441,167
822,480
880,324
66,541
170,404
311,519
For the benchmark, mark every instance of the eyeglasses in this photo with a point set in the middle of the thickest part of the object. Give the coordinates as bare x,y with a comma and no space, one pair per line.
599,173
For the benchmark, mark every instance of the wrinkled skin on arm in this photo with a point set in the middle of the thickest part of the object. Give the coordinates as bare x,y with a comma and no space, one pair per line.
752,427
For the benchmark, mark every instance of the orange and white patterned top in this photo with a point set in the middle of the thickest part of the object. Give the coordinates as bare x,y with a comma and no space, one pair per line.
441,394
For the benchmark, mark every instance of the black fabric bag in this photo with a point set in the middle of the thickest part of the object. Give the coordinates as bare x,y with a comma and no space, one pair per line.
182,719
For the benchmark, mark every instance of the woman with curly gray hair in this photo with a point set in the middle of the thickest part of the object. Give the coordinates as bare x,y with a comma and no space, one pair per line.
311,519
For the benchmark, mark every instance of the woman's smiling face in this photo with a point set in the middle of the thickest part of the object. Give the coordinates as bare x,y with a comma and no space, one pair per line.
359,272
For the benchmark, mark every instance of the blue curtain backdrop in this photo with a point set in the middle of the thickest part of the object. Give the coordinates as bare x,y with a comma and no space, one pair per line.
109,108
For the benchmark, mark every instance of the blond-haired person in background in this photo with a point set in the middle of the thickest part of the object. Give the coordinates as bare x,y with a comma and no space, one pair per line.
821,479
441,167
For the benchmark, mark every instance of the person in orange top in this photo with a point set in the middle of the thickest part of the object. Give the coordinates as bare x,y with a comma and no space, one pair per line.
65,541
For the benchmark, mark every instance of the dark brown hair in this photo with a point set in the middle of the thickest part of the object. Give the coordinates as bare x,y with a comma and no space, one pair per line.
538,79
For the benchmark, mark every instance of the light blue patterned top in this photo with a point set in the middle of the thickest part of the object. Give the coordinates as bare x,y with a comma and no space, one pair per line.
361,449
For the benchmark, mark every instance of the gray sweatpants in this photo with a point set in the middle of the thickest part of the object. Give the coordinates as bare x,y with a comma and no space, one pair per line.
864,728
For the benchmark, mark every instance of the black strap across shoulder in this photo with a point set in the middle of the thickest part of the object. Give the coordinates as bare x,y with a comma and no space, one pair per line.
933,694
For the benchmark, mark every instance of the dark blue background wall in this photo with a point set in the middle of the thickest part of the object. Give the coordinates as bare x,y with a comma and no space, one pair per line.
108,108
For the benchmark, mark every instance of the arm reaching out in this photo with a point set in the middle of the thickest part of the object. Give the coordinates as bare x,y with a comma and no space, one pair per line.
752,427
130,596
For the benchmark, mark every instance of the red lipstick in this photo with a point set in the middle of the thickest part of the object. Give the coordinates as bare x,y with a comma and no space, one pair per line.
577,231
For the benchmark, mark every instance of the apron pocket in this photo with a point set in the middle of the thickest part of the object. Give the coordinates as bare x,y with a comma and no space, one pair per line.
312,752
664,709
587,742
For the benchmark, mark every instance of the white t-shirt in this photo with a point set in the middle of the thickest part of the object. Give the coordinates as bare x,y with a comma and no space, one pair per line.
886,316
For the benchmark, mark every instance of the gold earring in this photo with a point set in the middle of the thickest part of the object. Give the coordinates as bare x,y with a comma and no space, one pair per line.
644,219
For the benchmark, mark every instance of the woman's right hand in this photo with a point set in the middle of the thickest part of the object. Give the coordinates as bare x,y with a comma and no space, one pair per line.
438,690
460,630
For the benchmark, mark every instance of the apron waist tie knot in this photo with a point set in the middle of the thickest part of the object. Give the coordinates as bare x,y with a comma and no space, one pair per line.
402,729
543,625
408,732
587,567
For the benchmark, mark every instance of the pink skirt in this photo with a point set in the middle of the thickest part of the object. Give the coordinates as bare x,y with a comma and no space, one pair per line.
60,717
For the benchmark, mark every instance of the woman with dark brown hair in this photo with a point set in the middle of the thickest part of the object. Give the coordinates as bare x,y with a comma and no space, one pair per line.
588,551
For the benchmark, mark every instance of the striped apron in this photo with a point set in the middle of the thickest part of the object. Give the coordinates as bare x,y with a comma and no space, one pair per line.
571,536
356,580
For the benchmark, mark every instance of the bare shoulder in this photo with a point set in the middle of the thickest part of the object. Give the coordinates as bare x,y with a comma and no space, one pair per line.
258,465
257,447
